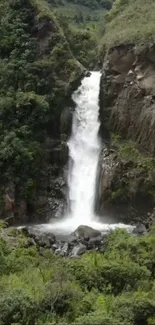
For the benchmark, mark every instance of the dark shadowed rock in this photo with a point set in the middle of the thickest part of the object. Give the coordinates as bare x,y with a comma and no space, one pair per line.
41,238
127,105
54,247
140,230
58,251
95,241
65,249
71,239
86,232
78,250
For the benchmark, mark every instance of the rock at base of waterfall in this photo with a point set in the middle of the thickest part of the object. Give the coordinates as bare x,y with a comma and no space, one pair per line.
58,251
78,250
65,249
72,239
140,229
86,232
40,238
95,242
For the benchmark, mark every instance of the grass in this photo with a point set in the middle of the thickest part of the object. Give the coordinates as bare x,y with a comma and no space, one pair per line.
127,150
137,168
91,19
132,23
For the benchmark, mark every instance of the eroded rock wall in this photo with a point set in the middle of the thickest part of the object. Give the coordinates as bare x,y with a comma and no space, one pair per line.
128,95
127,111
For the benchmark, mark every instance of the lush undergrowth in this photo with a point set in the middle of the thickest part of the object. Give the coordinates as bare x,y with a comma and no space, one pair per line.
82,42
37,72
136,168
82,17
131,22
113,287
91,4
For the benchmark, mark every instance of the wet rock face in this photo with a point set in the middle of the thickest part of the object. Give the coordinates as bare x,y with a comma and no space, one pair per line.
124,190
127,106
140,230
42,239
127,95
86,232
66,121
71,245
50,201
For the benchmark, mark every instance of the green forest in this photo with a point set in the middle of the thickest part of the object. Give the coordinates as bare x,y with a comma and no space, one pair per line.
113,287
46,48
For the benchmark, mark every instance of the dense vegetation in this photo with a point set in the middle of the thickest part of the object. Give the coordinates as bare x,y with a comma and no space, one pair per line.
39,54
137,172
131,22
92,4
82,42
37,69
41,58
113,287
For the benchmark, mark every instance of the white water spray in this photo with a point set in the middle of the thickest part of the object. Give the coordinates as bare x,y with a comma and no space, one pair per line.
84,149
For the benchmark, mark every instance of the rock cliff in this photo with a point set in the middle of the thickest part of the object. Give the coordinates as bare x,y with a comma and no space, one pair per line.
127,100
127,117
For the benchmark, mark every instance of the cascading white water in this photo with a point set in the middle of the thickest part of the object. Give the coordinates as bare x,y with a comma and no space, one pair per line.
84,149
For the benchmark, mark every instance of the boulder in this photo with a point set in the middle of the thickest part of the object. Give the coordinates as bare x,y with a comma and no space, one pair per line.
54,246
140,229
65,249
95,241
42,239
72,239
78,250
86,232
58,251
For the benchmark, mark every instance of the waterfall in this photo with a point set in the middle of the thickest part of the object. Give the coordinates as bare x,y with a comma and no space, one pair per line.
84,149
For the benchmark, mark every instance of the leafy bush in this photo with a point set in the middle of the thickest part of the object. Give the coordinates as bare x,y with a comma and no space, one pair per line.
34,83
114,287
130,22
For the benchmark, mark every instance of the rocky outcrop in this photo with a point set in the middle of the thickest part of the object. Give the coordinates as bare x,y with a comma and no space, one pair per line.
128,95
125,189
127,104
74,245
86,232
66,245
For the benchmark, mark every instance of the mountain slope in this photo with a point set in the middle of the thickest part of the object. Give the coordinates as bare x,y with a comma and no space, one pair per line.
37,73
130,21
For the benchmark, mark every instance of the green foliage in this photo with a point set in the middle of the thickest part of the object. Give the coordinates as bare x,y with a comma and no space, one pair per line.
118,5
82,42
128,151
91,4
130,22
137,172
35,80
106,4
114,287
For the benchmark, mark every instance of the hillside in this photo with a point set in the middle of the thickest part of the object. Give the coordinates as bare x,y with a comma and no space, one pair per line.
131,22
82,23
37,73
43,56
84,277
